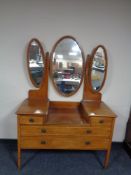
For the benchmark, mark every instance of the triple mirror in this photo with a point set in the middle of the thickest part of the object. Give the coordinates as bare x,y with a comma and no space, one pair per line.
67,65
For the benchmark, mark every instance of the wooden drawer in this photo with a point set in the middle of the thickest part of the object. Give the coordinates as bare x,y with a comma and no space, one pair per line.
63,130
64,142
31,120
101,121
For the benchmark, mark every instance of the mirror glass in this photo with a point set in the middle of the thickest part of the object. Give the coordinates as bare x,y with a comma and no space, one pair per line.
98,69
35,62
67,66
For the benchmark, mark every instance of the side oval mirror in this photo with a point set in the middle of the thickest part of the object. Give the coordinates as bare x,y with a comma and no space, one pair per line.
98,68
35,62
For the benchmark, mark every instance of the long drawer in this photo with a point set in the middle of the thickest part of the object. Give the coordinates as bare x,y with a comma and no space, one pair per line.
64,142
27,130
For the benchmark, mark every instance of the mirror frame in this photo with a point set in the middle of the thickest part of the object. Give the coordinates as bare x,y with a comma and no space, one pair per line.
90,68
51,69
28,57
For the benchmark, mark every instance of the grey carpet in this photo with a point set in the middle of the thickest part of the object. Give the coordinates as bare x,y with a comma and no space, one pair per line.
53,162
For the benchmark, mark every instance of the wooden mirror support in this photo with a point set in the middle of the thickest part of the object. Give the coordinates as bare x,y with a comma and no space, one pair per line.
42,92
94,110
88,94
84,125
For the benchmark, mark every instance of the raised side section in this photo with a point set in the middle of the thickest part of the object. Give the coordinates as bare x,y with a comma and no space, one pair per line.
42,92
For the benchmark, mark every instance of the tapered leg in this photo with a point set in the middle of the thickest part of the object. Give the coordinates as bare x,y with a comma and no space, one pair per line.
107,157
18,144
19,157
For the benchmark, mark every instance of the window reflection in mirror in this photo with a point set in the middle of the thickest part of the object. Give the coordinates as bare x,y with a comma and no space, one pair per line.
36,63
98,69
67,66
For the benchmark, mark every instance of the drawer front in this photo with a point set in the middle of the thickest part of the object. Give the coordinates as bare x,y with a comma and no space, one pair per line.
53,130
101,121
64,142
31,120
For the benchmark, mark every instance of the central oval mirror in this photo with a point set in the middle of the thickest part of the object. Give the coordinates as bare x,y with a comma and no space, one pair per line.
35,62
67,62
98,68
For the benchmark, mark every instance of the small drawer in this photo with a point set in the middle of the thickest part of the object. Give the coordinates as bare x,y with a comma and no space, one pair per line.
31,120
101,121
64,142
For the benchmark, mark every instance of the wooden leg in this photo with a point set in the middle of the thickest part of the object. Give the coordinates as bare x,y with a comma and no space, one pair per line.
18,144
107,157
19,157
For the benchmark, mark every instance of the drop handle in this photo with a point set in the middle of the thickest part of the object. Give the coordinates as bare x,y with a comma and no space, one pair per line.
31,120
43,142
43,130
101,121
87,143
88,131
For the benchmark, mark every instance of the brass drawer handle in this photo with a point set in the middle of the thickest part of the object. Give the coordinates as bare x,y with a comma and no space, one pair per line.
43,130
101,121
88,131
87,142
31,120
43,142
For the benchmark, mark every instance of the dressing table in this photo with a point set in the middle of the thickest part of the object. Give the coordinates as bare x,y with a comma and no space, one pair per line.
46,124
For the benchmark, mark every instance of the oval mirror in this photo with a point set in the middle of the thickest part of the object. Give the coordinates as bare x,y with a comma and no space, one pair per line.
98,68
67,62
35,62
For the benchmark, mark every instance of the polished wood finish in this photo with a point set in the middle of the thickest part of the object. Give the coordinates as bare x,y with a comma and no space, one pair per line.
85,125
18,144
88,94
65,113
42,92
47,129
67,128
28,58
33,107
97,108
101,116
101,121
51,69
32,120
64,142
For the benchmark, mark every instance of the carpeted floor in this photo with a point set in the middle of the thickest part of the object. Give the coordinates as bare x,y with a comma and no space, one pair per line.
63,162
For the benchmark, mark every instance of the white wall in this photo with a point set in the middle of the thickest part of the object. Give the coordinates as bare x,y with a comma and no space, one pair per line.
91,22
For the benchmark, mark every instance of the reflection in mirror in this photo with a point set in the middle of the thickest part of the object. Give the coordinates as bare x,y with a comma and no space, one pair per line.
98,70
67,66
35,62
